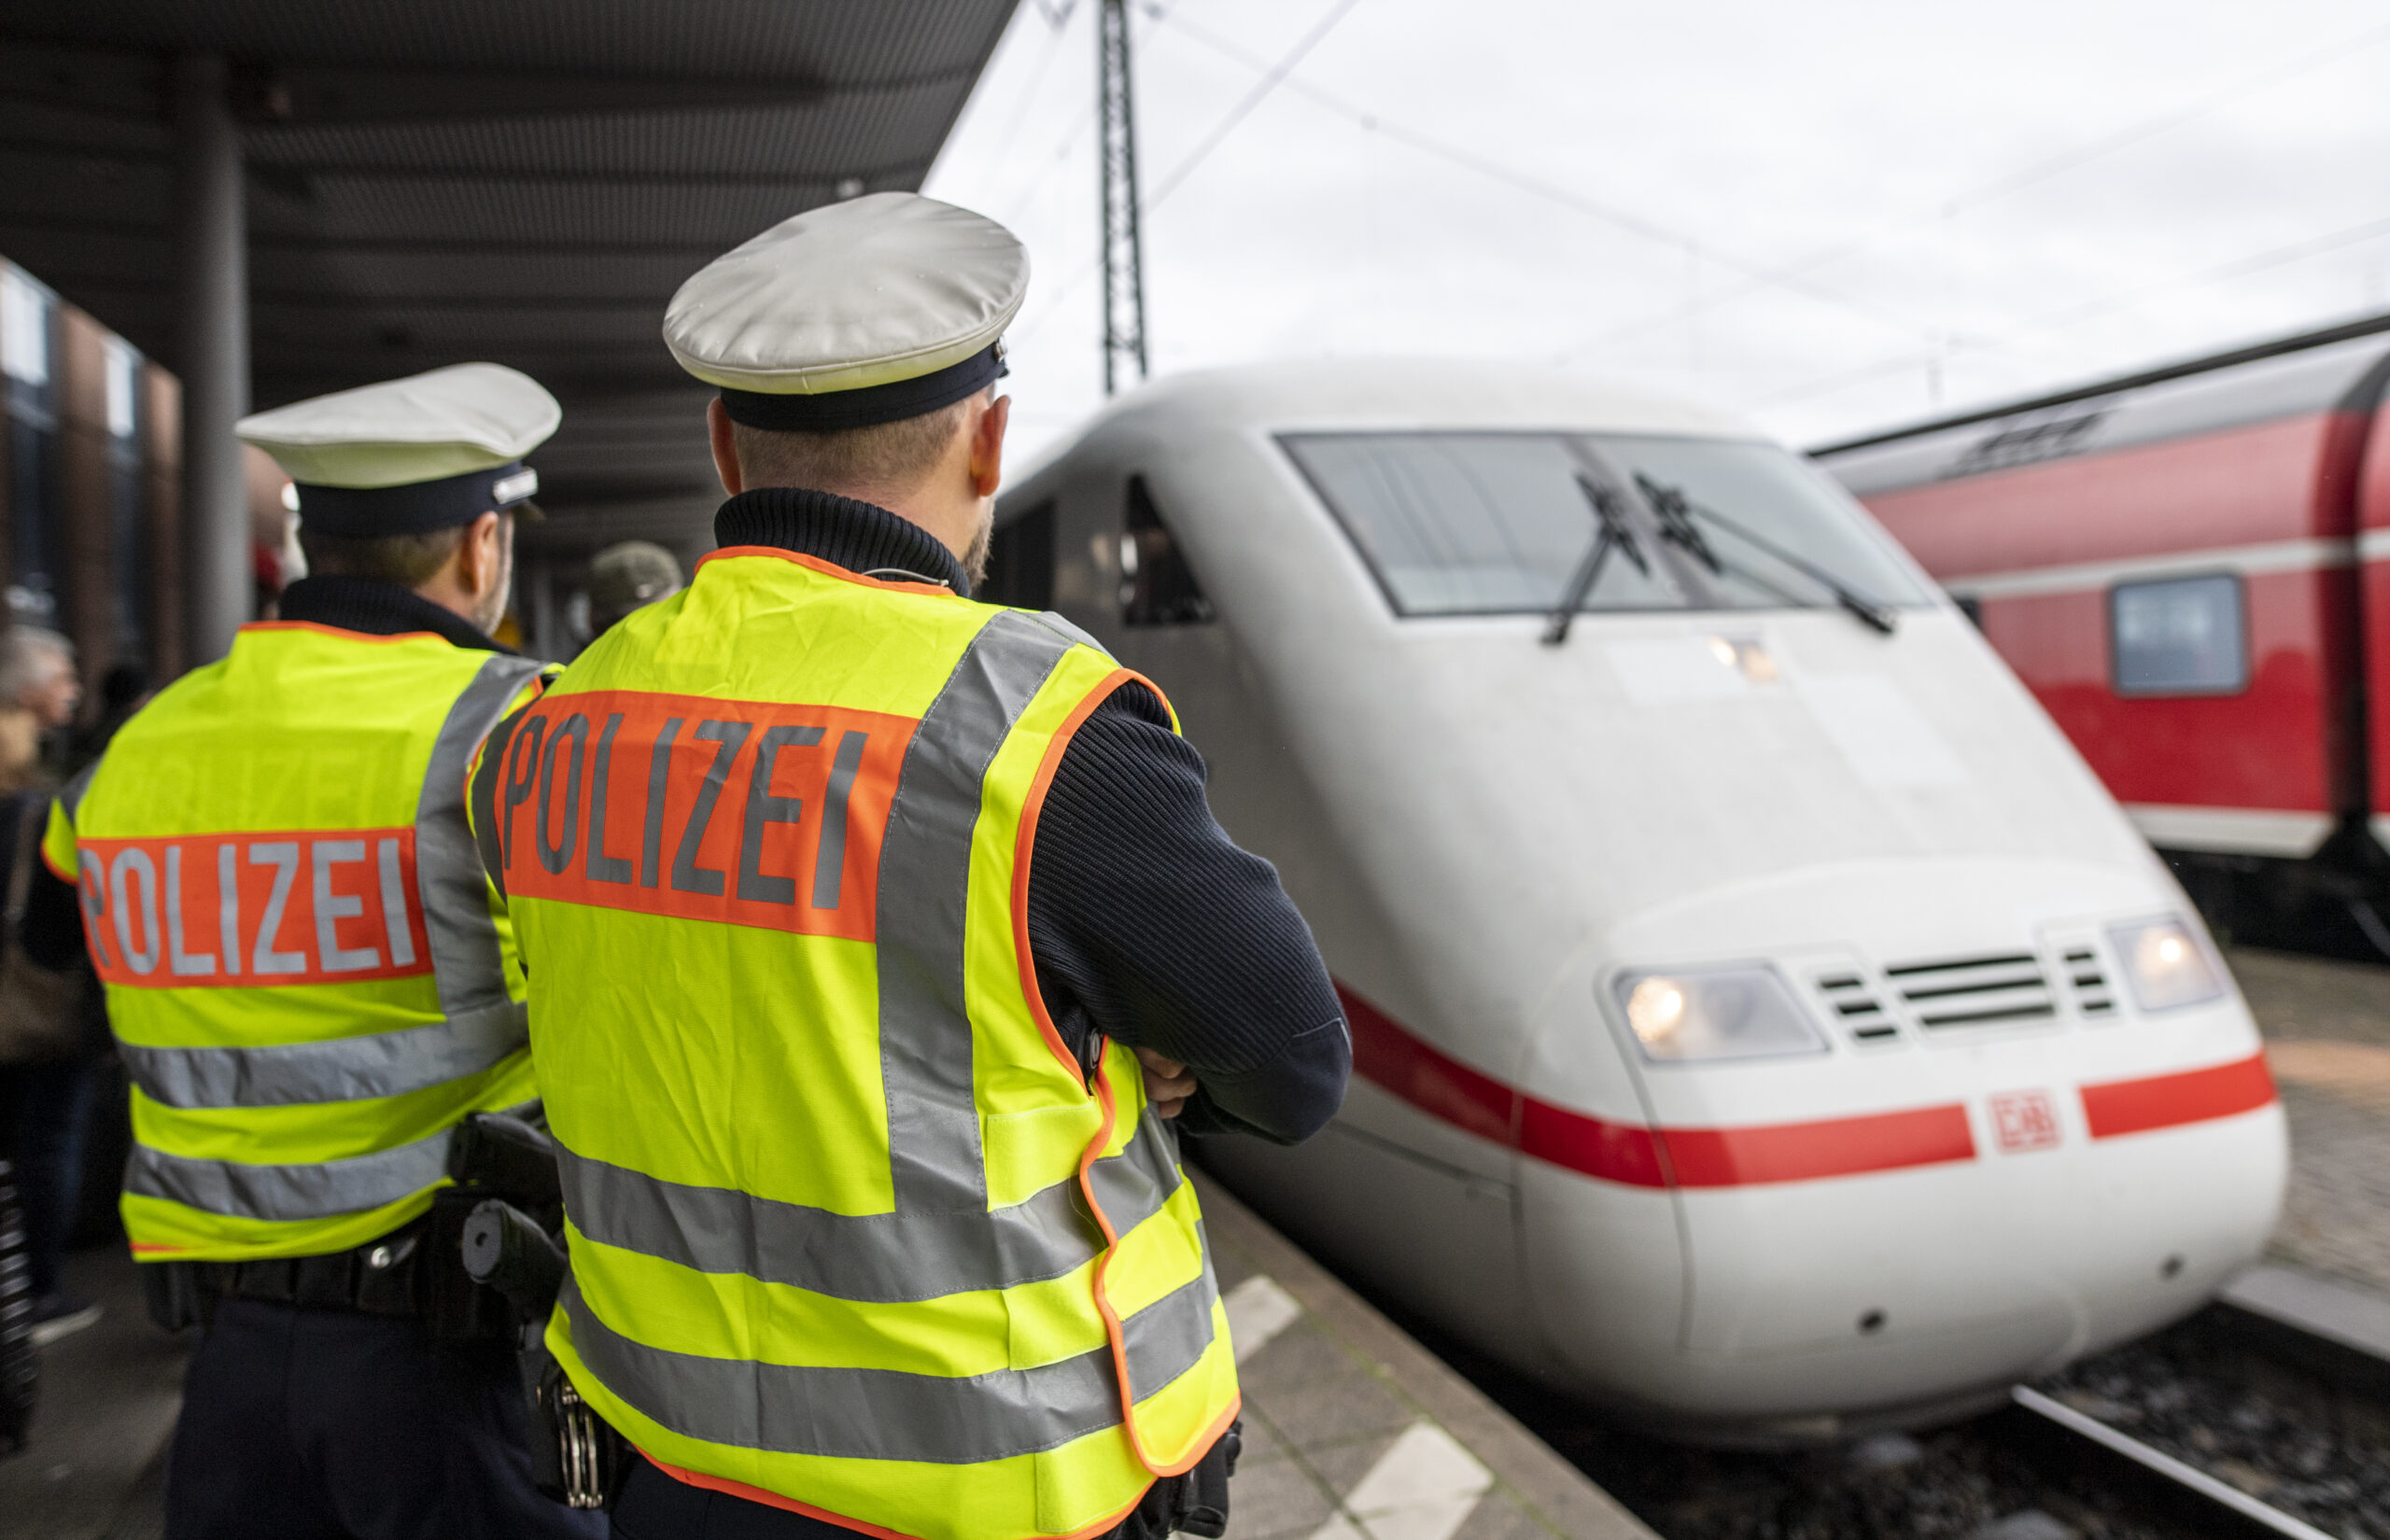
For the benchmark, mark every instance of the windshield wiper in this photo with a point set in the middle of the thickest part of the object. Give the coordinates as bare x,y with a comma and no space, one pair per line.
1614,536
1676,512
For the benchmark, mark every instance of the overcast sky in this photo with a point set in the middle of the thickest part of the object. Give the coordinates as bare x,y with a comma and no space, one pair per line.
1834,216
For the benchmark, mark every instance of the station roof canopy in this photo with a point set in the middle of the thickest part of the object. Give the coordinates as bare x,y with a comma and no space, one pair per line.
430,181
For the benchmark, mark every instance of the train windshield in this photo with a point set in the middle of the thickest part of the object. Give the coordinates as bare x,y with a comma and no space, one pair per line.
1492,523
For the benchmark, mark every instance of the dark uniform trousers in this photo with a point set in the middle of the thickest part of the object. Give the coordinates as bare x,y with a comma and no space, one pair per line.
315,1424
654,1506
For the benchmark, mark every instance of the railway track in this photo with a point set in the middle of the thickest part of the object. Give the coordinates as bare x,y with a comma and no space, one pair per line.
2266,1417
2169,1491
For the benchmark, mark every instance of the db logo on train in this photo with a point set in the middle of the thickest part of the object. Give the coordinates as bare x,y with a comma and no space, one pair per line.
2025,1120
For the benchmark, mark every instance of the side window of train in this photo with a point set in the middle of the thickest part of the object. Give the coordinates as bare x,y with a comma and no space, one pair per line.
1021,562
1157,586
2179,637
1971,607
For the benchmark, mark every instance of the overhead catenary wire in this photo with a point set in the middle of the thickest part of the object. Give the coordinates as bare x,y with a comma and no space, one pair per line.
2239,267
1999,187
1220,130
1057,24
1941,346
1060,154
1273,76
1080,124
1486,166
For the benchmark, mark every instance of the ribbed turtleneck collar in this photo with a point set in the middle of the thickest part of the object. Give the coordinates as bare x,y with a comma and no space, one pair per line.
379,608
861,537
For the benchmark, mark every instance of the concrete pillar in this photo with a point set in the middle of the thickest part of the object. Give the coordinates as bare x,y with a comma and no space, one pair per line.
161,519
86,494
213,331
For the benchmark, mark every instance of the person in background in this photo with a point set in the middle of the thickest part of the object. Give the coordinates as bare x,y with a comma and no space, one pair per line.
51,1043
312,992
39,677
40,693
124,689
626,576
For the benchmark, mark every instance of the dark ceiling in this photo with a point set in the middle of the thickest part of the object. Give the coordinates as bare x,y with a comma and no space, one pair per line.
438,180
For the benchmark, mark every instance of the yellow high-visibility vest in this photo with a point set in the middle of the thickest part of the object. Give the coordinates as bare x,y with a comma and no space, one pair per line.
306,972
852,1230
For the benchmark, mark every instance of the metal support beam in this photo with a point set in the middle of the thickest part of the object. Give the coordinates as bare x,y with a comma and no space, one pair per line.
1124,264
212,331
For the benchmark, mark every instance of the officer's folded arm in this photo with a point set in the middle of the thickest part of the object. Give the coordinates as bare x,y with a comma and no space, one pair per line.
1150,926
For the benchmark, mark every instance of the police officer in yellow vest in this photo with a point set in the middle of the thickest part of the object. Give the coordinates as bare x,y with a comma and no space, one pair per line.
311,986
874,935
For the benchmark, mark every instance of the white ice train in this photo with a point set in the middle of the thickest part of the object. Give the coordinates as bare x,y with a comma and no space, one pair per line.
1764,1023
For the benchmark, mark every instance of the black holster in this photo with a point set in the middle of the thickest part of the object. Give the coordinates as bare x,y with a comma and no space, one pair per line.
1195,1503
498,1160
509,1246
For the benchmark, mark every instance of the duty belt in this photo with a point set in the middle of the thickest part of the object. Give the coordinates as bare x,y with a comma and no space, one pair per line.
412,1273
379,1278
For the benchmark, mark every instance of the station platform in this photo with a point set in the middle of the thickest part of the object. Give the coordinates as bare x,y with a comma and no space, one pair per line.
2327,1026
1353,1431
94,1468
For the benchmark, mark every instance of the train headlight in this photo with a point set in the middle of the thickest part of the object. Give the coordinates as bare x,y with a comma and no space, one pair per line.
1716,1013
2166,964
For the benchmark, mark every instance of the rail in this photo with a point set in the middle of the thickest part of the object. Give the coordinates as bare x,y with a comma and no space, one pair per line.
2184,1492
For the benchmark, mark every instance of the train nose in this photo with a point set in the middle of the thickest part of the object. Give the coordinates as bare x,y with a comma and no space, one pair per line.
1963,1158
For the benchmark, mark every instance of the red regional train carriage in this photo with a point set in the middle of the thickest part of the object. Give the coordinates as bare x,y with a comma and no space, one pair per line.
2191,568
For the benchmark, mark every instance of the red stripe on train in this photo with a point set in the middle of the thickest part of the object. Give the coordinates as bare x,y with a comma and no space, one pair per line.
1804,1152
1388,1055
2168,1102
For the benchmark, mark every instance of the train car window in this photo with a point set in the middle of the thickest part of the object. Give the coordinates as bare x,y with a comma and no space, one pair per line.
1971,607
2180,636
1468,524
1157,586
1478,524
1021,562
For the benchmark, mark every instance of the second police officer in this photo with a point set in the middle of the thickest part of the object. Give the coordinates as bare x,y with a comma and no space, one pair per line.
874,935
311,988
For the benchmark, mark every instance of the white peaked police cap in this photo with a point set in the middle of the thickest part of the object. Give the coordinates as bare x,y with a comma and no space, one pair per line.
867,311
406,457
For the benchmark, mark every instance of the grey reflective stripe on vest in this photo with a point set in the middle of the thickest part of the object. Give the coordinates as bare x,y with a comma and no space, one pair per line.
348,1068
1056,622
924,888
887,1414
464,956
313,1190
890,1259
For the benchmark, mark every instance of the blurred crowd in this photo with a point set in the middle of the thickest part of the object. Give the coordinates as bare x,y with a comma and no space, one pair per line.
55,1050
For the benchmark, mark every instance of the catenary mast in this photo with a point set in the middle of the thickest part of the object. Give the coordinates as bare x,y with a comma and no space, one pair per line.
1124,282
